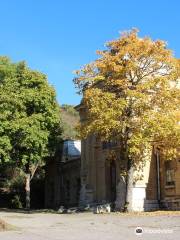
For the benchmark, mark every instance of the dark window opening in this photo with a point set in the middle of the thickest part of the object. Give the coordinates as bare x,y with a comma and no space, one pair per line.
169,173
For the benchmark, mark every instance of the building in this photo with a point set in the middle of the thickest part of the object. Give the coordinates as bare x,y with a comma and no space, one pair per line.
170,183
155,186
62,182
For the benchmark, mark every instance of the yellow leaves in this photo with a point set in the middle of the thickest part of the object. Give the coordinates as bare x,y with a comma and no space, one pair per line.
131,92
103,112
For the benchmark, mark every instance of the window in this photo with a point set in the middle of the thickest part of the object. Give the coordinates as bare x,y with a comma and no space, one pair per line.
109,144
170,177
169,172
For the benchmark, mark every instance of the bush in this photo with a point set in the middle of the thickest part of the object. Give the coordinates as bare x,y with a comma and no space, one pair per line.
15,182
16,202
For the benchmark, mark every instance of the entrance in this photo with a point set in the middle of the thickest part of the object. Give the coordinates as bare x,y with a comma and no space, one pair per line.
113,181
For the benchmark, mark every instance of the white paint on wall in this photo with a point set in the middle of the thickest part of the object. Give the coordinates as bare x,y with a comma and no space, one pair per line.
138,198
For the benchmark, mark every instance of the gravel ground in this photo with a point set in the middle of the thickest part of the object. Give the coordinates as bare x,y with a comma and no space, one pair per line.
89,226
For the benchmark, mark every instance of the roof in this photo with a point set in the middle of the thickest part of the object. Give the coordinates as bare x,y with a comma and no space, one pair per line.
71,149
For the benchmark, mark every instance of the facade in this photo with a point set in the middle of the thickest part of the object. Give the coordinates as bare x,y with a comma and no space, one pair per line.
170,183
155,186
62,184
84,173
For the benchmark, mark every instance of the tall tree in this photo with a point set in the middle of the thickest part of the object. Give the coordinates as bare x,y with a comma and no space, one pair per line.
29,119
132,94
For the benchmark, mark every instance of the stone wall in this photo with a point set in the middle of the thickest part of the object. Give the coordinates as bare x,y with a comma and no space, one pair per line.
96,180
62,184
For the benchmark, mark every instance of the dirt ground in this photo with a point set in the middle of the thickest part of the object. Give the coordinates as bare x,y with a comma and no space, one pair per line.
89,226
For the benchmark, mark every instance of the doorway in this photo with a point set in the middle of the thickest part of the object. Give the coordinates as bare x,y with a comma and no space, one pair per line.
112,181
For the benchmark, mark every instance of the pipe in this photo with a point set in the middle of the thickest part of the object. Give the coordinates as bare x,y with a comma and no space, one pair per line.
158,177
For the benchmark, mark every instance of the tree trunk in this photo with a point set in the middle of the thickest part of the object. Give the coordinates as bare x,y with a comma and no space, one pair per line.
27,188
129,189
120,194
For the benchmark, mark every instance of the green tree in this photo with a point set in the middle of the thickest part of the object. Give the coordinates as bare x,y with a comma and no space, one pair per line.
132,95
29,119
70,119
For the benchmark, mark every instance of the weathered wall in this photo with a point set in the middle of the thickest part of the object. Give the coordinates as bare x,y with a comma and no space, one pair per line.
62,187
96,179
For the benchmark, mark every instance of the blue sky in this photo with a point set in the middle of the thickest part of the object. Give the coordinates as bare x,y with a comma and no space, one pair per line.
57,36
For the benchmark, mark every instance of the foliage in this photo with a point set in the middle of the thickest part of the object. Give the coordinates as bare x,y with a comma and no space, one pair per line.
15,184
70,109
16,202
70,118
29,116
131,94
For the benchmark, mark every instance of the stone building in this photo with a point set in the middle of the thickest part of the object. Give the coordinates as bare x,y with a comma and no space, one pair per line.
62,182
156,185
170,183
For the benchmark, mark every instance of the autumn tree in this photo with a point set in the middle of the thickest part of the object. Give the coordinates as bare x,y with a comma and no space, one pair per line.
29,119
131,94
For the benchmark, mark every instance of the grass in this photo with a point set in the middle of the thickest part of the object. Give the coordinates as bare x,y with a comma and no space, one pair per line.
5,226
